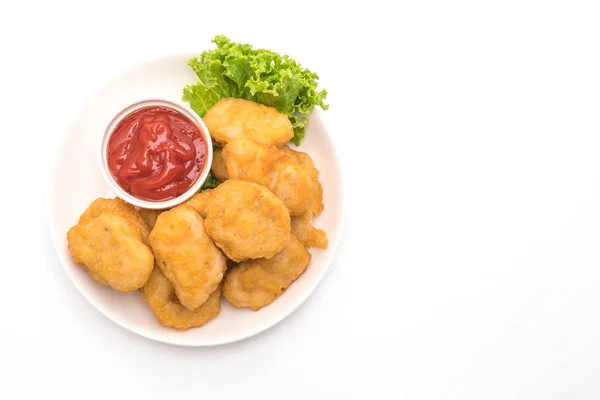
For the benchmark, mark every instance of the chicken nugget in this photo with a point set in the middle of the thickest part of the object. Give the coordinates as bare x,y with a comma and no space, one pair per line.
149,216
257,283
111,248
267,165
231,118
247,220
118,207
303,229
160,295
186,255
198,201
218,168
316,203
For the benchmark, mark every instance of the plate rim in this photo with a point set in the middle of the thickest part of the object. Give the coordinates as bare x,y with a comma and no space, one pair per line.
332,246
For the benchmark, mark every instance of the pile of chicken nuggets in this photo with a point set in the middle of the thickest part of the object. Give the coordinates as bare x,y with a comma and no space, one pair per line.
246,239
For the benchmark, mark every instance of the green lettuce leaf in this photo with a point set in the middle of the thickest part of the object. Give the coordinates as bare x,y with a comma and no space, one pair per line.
238,70
210,183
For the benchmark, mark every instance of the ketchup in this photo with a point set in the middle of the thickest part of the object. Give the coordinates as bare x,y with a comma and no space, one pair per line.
156,153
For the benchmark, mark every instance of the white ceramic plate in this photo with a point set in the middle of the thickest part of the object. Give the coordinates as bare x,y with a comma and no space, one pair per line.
77,181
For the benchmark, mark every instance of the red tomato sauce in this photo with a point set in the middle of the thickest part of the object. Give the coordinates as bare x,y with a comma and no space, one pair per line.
156,153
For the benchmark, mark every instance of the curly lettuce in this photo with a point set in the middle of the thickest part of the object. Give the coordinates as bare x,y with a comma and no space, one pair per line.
238,70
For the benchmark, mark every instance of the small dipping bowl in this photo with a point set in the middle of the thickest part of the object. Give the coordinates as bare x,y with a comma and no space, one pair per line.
142,203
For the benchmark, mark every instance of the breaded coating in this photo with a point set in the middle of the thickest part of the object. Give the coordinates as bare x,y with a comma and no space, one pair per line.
303,229
112,249
115,206
218,168
257,283
198,201
247,220
160,295
149,216
186,255
316,203
232,118
267,165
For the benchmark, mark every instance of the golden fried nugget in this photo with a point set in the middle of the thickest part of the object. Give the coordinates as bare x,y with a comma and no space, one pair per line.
247,220
198,201
257,283
249,160
302,226
316,203
218,168
97,277
160,295
231,118
149,216
111,248
118,207
267,165
309,235
186,255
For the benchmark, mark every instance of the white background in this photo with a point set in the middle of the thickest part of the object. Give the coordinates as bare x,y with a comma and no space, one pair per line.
469,264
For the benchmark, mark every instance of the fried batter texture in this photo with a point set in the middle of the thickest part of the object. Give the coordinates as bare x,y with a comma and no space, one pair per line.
315,206
303,229
247,220
160,295
218,167
251,161
118,207
112,249
302,224
257,283
186,255
149,216
199,201
231,118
